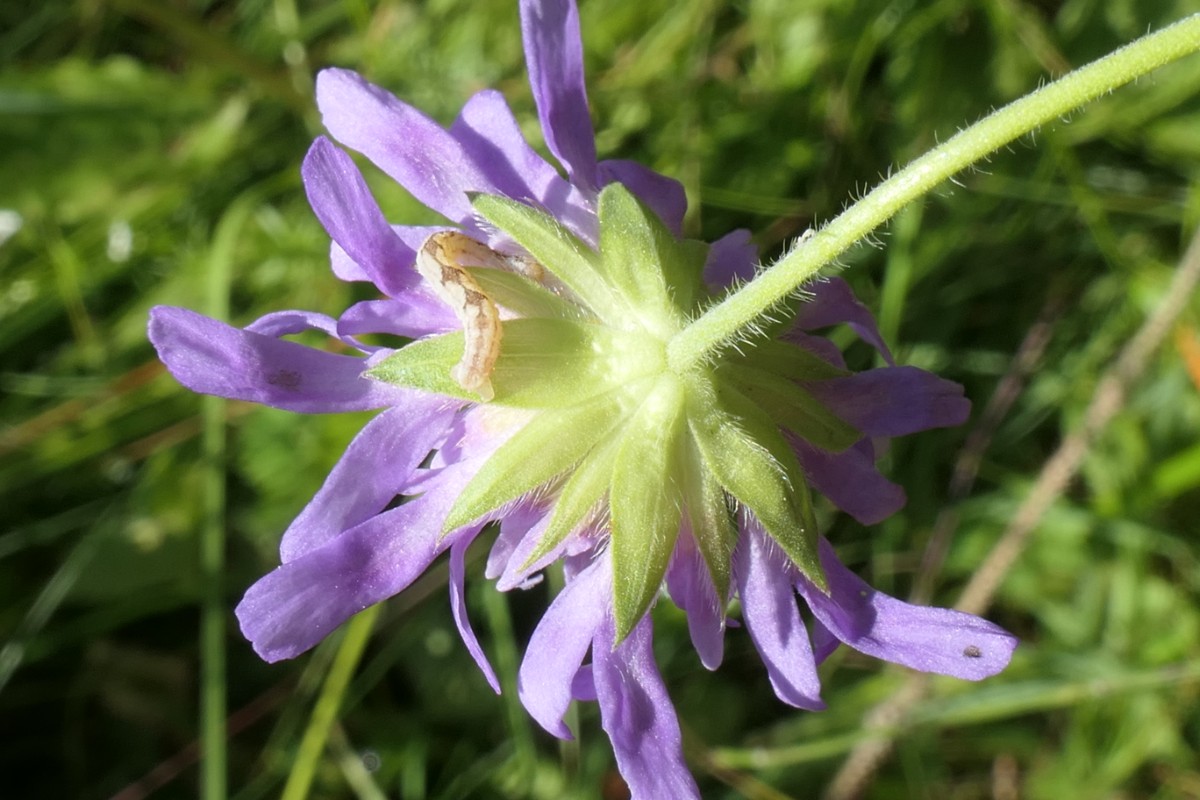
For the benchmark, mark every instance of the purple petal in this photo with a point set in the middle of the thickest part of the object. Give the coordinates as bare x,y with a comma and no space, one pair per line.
664,196
893,401
292,608
375,468
286,323
733,257
691,588
936,640
583,685
489,133
341,200
559,644
764,580
413,315
513,527
413,149
211,357
823,640
516,575
850,480
834,303
554,56
638,716
343,266
411,236
458,607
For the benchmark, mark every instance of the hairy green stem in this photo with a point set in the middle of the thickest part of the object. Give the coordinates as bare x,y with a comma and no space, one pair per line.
723,322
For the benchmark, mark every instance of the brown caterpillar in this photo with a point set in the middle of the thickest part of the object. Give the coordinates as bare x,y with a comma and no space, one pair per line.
441,261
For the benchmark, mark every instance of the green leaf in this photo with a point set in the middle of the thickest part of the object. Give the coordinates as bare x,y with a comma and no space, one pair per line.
794,408
524,296
636,250
543,363
578,497
710,517
790,361
744,449
644,501
561,252
550,444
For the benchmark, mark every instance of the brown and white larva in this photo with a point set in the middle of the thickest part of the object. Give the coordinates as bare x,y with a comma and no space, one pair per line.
442,261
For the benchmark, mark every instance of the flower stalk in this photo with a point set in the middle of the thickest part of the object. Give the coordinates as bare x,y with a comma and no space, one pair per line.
726,321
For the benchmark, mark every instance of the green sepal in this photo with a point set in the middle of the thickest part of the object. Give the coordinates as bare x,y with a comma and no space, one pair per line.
557,249
547,446
579,496
748,455
543,363
525,297
644,502
790,361
639,257
794,408
709,516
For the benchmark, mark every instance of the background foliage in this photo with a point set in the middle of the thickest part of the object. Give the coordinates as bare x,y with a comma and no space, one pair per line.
150,148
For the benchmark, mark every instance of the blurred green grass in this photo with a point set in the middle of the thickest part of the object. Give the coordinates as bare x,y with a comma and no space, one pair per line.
132,130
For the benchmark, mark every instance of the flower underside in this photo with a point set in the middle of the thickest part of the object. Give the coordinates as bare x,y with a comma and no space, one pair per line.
618,437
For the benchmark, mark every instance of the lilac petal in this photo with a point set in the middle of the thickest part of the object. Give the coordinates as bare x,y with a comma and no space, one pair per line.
292,608
211,357
733,257
851,482
488,131
764,580
513,527
341,200
490,134
936,640
559,644
375,468
516,574
343,266
413,149
458,606
691,588
554,56
583,685
286,323
413,315
834,303
638,716
664,196
823,641
893,401
411,236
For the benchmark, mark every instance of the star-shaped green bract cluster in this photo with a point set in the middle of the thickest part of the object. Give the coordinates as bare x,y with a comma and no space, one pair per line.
612,432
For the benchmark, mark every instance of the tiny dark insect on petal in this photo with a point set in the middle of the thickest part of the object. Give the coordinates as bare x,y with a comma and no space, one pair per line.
971,651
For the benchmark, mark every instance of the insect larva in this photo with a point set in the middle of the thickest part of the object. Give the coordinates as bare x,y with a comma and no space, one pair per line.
441,261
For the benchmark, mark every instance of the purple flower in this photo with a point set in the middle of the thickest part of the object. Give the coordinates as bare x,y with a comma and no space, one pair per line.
535,401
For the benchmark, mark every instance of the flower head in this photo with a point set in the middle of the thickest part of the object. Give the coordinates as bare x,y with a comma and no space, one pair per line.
537,394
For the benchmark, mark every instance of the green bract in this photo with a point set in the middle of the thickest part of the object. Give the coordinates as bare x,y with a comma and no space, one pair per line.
619,440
